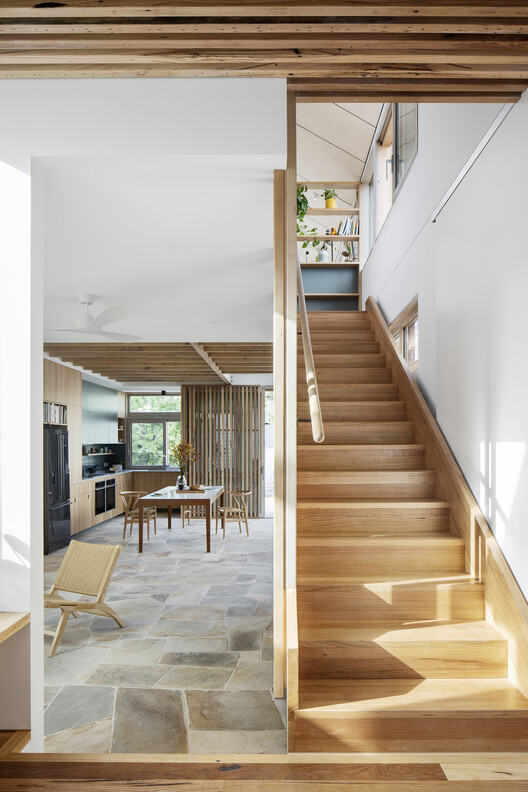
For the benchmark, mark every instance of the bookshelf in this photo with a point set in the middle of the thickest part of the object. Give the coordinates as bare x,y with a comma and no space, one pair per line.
333,284
55,414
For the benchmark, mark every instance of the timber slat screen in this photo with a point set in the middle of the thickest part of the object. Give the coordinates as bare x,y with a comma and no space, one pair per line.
391,50
226,426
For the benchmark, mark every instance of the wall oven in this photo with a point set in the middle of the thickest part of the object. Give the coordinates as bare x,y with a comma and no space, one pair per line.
105,496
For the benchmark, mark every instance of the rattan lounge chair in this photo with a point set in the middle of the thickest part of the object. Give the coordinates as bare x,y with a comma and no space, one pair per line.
86,569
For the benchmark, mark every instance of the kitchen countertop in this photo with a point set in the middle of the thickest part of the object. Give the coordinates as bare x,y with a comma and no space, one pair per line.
104,476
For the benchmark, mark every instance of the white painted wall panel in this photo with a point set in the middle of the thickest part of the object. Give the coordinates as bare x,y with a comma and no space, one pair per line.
482,363
65,118
402,262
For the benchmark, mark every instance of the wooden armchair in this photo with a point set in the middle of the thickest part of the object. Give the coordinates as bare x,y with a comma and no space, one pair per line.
86,569
238,512
130,500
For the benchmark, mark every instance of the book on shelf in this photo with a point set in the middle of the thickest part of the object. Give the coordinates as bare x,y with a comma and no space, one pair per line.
54,413
348,227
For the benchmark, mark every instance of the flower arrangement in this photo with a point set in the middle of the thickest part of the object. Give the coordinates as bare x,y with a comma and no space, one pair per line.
184,454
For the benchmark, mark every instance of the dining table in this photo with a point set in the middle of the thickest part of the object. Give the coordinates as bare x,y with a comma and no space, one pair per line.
172,497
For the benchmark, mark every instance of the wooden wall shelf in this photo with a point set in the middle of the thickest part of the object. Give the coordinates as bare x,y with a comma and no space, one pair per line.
11,623
335,185
329,238
323,212
329,264
322,295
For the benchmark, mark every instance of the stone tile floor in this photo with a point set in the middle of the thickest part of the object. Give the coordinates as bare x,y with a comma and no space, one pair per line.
191,671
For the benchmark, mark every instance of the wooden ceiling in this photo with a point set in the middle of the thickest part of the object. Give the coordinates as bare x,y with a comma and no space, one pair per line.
344,50
167,363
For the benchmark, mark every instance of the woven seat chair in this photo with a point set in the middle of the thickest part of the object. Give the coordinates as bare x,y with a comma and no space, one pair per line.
86,569
238,512
130,500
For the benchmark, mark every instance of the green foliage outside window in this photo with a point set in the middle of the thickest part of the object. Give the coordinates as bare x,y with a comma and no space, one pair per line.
148,403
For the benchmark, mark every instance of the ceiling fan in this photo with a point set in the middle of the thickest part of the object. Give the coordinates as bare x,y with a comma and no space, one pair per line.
87,323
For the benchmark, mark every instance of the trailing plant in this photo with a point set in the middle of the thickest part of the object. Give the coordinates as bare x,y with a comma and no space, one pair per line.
302,208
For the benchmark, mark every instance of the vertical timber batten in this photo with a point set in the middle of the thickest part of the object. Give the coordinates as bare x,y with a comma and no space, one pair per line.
279,371
291,407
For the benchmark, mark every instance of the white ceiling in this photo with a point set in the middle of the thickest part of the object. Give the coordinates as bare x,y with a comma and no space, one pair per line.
184,243
333,140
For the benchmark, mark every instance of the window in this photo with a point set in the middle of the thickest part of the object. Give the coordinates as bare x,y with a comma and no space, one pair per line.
154,422
406,139
410,342
395,146
144,402
384,178
404,331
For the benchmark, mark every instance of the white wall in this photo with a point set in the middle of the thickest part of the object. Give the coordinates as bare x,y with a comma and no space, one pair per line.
471,274
98,118
16,497
482,364
86,118
401,263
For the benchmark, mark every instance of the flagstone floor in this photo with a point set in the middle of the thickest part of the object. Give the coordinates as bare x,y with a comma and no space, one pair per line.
191,671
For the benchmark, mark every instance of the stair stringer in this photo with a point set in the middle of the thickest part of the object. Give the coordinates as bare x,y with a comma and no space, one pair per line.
506,608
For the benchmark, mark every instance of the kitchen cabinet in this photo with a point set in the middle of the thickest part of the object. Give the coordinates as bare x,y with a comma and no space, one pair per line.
99,414
82,495
82,509
62,385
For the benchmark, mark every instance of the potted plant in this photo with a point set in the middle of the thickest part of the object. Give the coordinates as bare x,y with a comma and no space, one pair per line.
184,454
330,197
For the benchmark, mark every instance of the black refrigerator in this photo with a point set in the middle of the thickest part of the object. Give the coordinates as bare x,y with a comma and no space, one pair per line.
56,489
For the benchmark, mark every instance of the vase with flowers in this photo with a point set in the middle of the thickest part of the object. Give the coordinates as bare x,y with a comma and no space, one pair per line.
185,454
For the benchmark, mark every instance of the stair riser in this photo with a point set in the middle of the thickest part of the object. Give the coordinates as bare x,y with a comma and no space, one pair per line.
348,375
336,361
403,660
349,393
328,336
383,602
343,347
372,559
367,432
416,732
363,458
364,521
349,411
330,484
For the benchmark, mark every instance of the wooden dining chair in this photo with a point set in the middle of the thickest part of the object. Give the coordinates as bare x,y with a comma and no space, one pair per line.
86,569
130,500
238,512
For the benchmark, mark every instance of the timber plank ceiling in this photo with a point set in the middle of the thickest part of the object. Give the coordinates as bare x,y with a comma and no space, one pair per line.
345,50
166,363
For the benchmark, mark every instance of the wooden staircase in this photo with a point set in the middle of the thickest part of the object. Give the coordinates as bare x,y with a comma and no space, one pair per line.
395,653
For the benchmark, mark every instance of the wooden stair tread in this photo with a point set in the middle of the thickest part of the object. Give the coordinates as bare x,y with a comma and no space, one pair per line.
386,579
328,484
358,503
389,696
400,631
373,447
350,542
359,432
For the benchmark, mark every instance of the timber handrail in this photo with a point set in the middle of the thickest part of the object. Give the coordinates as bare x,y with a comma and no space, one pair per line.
311,378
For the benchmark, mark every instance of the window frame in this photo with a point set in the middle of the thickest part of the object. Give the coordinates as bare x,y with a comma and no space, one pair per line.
397,183
398,330
370,173
164,418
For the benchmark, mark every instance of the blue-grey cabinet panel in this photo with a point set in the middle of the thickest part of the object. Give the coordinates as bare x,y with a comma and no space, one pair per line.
330,280
99,414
